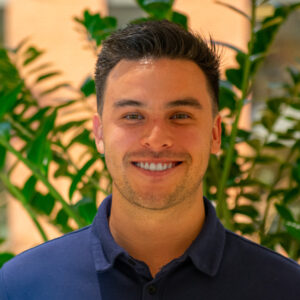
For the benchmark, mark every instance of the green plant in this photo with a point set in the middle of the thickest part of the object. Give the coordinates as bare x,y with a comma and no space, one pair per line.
34,135
277,150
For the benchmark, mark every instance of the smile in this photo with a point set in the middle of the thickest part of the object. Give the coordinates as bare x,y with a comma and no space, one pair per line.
156,167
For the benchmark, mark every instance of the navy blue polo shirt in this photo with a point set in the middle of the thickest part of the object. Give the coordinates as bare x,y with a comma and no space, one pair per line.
88,264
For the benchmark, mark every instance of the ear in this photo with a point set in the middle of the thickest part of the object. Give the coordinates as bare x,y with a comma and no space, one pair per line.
98,133
216,135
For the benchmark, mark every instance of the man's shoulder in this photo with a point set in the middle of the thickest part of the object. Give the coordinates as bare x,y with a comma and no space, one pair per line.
59,249
52,266
259,259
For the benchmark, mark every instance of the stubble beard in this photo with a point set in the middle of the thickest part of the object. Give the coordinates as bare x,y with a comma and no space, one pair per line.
154,200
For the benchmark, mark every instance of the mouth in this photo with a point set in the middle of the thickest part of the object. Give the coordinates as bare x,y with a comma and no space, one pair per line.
156,167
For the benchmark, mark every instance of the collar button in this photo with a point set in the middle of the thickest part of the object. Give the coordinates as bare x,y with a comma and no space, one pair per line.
131,261
152,289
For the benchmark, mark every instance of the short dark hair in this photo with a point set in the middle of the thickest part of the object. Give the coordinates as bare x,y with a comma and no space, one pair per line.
157,39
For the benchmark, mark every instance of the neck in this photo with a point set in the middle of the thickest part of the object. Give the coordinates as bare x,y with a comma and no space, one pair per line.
156,236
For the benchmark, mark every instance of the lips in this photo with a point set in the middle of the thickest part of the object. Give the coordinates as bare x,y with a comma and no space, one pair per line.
156,166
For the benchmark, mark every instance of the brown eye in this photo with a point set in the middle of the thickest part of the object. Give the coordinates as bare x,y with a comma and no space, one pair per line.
133,116
180,116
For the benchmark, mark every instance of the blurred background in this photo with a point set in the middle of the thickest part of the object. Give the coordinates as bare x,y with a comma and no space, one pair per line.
50,25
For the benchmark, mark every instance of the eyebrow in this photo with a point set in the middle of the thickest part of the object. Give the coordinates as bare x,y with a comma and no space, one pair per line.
128,102
192,102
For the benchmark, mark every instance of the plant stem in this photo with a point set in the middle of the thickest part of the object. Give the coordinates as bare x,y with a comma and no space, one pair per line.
276,180
18,195
222,208
37,173
293,250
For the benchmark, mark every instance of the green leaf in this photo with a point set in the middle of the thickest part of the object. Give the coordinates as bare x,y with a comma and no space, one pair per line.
235,9
31,54
61,220
70,125
268,120
293,228
250,182
245,228
79,175
256,60
37,172
55,88
254,143
40,151
273,21
47,75
227,45
277,193
4,257
296,171
284,212
8,100
180,19
83,138
29,188
98,28
274,145
87,209
227,98
5,128
235,76
266,159
242,135
40,115
291,195
156,8
270,25
247,210
295,105
274,104
63,167
43,203
20,45
9,75
88,87
39,68
294,73
251,196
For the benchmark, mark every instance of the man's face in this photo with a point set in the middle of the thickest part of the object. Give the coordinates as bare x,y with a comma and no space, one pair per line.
157,131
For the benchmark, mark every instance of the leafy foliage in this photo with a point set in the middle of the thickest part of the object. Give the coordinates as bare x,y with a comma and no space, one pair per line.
35,136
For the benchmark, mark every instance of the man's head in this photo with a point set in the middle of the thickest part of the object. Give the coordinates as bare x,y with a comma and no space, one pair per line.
156,124
157,39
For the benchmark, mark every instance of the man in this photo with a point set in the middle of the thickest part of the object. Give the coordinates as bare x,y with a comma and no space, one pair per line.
156,237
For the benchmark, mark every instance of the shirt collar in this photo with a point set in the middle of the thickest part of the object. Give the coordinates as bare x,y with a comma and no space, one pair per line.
205,252
105,249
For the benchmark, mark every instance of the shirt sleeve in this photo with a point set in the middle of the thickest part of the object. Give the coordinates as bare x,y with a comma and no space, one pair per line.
3,294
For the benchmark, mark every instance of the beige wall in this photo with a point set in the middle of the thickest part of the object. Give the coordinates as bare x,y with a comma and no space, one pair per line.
49,25
209,18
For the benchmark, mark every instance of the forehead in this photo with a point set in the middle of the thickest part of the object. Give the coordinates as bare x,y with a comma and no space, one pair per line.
146,66
164,79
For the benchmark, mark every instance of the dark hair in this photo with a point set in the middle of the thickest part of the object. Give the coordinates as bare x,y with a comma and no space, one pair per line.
157,39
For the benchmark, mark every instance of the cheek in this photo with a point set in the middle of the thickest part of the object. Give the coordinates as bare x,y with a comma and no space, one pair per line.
118,140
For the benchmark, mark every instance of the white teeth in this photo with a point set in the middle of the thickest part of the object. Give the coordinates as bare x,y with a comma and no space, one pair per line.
154,167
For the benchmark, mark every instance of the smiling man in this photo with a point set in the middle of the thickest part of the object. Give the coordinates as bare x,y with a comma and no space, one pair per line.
156,236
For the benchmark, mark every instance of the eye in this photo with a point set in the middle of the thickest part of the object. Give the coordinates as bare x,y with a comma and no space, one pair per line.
133,116
180,116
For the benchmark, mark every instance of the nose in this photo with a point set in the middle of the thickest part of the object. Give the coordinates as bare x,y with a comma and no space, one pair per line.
156,137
